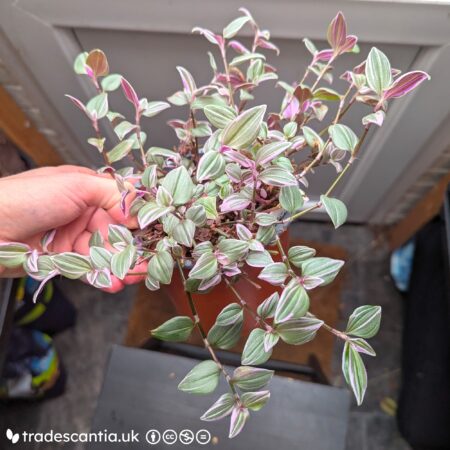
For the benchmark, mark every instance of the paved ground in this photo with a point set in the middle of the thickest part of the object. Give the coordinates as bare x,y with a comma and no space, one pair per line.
102,322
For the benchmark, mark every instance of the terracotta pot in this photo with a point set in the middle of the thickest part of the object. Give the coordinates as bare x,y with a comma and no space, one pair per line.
209,305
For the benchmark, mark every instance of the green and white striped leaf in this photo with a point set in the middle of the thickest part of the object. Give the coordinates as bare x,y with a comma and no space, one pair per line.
265,219
233,249
258,259
276,176
378,71
72,265
13,254
160,267
201,248
254,352
151,212
225,336
176,329
154,108
364,321
100,257
202,379
243,130
293,303
179,183
255,400
210,166
122,262
219,115
300,253
239,416
362,346
150,176
234,26
111,82
96,240
299,331
319,267
291,198
271,339
336,209
220,409
120,150
119,236
124,128
377,118
98,106
312,138
271,151
326,94
354,371
244,58
205,267
231,314
197,213
343,137
45,266
151,284
249,378
188,82
266,310
210,205
163,197
79,65
184,232
274,273
266,235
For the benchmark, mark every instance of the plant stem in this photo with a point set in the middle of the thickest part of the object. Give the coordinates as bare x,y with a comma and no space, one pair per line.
322,73
284,257
244,304
223,53
335,121
360,142
336,181
337,333
305,75
301,213
204,335
141,146
194,125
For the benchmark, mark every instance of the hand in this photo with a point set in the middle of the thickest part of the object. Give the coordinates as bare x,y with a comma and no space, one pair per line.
75,201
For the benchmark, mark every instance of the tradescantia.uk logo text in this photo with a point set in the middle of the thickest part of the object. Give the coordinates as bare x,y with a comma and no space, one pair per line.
52,436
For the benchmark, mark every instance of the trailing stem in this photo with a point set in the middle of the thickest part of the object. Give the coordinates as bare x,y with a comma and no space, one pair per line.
204,335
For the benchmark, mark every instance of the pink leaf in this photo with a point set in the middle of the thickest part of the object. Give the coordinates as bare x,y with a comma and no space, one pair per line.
237,157
238,47
309,282
130,93
323,55
292,109
349,43
405,84
268,45
337,31
78,103
210,282
235,202
213,38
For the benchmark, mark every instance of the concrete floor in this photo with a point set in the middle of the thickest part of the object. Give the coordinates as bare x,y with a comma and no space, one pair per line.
102,322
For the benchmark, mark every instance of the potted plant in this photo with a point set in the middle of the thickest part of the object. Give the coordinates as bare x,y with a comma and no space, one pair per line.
212,210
